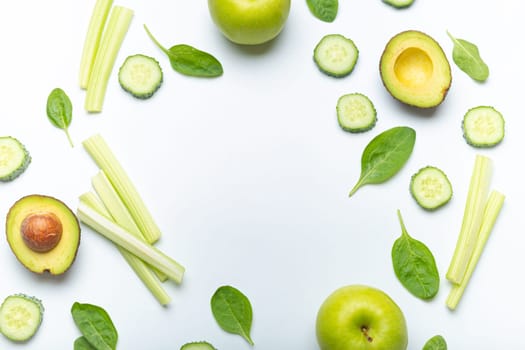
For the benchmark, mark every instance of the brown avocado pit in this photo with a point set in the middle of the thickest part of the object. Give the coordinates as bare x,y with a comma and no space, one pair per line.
43,233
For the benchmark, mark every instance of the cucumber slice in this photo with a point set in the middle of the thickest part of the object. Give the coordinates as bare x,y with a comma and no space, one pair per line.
20,317
336,55
399,3
14,158
356,113
140,75
200,345
430,188
483,126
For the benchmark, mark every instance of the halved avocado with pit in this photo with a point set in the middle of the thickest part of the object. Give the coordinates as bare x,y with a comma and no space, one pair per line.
415,70
43,233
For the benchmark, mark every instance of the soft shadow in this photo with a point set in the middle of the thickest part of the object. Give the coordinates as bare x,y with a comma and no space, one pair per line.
253,50
45,277
418,111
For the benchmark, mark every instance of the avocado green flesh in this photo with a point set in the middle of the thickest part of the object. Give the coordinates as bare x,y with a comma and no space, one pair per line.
415,70
59,259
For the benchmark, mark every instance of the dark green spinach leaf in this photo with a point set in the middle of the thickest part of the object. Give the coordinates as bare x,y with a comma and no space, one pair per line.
232,311
81,343
325,10
437,342
414,265
466,56
190,61
60,111
385,155
95,325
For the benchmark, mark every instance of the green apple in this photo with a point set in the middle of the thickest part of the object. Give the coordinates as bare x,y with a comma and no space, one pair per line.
359,317
249,22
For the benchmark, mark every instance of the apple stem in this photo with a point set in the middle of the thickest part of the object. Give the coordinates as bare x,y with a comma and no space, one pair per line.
364,329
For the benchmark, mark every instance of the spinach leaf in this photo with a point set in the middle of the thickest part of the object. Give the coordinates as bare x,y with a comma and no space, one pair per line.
60,111
81,343
190,61
325,10
232,311
385,155
95,325
437,342
414,265
466,56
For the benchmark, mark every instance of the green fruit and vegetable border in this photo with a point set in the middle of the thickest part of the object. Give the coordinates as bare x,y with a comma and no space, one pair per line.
115,209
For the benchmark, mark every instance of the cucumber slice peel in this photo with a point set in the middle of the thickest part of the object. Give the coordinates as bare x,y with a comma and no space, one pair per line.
399,3
431,188
336,55
356,113
20,317
483,127
199,345
14,158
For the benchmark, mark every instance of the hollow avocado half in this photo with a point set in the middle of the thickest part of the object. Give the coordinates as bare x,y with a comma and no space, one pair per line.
415,70
43,233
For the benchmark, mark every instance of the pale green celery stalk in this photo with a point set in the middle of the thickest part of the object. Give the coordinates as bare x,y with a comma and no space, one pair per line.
142,270
114,33
120,214
99,150
468,235
121,237
92,200
493,207
92,40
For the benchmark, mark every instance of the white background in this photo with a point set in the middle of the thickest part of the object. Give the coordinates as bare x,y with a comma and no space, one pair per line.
248,174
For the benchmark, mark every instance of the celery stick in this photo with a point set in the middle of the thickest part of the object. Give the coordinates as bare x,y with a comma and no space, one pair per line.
92,200
120,214
126,240
114,33
110,199
492,209
92,40
99,150
141,269
468,235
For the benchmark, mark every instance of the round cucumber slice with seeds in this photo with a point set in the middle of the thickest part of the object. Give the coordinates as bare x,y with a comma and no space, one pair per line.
140,75
14,158
483,126
20,317
336,55
356,113
431,188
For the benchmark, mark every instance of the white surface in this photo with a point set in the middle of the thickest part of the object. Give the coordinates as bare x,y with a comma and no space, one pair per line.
248,174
